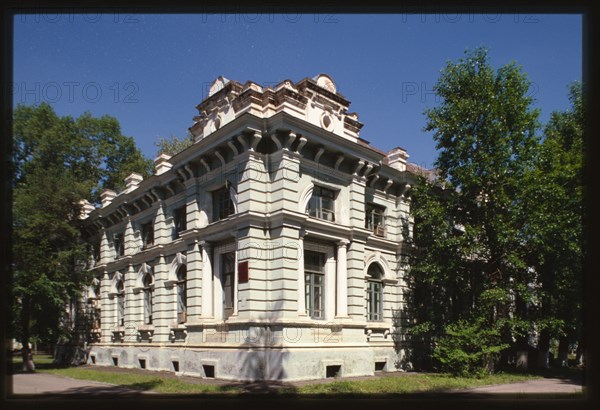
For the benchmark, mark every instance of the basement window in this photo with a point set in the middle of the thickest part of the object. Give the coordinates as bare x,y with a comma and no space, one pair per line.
379,366
209,371
115,361
175,364
333,371
142,363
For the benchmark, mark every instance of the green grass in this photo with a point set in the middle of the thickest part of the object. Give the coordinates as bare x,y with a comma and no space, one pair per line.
414,383
141,381
44,364
410,384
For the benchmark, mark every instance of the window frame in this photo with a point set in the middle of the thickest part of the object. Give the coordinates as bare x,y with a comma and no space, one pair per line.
314,281
182,296
228,310
96,252
375,294
147,234
120,286
220,197
148,299
179,221
119,244
371,212
315,207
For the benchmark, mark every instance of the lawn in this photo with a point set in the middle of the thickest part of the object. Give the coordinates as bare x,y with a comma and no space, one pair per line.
142,381
418,383
399,384
44,364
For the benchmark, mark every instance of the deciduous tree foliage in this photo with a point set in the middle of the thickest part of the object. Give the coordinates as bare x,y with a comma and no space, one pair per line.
555,227
58,161
174,144
469,225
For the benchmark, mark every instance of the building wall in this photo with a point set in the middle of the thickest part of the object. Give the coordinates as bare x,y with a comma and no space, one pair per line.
270,175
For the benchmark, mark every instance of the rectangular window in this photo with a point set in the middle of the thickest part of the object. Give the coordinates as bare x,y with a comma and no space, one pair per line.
375,219
119,244
180,221
314,271
222,205
322,204
96,252
147,235
374,301
148,306
227,278
120,304
182,294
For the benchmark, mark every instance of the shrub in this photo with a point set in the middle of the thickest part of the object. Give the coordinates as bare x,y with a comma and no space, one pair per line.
468,349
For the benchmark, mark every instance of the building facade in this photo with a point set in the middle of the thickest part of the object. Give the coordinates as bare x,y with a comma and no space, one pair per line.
271,248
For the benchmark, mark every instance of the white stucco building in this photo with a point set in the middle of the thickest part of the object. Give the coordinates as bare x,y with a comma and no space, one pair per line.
269,249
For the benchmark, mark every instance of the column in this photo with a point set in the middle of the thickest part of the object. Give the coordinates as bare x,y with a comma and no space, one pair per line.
301,284
106,312
342,280
194,271
162,311
162,231
207,274
132,245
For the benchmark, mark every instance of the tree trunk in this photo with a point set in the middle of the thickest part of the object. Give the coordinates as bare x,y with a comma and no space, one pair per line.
543,359
563,351
28,365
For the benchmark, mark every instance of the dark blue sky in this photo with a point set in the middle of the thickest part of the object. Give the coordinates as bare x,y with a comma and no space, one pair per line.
150,71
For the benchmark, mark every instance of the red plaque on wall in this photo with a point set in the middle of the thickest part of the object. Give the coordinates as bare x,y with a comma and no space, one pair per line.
243,272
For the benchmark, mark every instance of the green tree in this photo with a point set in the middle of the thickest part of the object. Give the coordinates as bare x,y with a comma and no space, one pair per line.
174,144
469,224
57,162
555,227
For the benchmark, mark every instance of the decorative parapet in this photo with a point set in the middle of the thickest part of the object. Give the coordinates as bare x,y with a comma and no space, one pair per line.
315,100
86,209
132,181
396,158
107,197
162,164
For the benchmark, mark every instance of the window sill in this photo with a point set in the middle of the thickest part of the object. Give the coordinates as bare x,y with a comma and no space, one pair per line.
378,325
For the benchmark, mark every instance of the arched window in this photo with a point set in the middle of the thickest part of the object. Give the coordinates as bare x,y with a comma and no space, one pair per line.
375,293
148,283
182,294
120,303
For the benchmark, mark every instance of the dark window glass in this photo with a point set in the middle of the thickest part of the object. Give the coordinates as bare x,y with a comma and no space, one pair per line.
322,204
180,220
119,243
375,219
314,271
375,293
222,204
182,294
96,252
147,234
148,291
227,280
120,303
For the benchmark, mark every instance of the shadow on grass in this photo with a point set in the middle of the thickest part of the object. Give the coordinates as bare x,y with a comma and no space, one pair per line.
573,374
261,387
16,366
